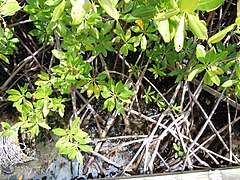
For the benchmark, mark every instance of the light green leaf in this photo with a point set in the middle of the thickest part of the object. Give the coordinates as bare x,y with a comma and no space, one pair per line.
13,92
59,132
58,54
200,52
44,125
52,2
197,27
229,83
209,5
179,36
220,35
85,148
109,7
197,69
163,28
214,77
9,8
143,43
58,11
188,6
4,58
79,9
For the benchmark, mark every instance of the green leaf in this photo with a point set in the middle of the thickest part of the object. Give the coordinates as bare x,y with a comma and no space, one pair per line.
44,125
187,6
9,8
209,5
79,157
52,2
166,15
163,29
214,77
106,94
57,12
200,52
196,70
197,27
143,43
120,108
75,123
220,35
109,7
73,153
4,58
229,83
176,147
144,11
59,132
6,125
13,92
85,148
79,9
179,36
58,54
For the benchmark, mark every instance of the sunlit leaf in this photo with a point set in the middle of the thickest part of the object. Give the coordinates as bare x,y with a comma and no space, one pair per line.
197,69
179,36
144,11
57,12
220,35
163,28
9,7
187,6
229,83
209,5
109,7
4,58
161,16
79,10
59,132
197,27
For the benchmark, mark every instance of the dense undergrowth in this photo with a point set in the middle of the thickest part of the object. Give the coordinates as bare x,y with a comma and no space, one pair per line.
105,58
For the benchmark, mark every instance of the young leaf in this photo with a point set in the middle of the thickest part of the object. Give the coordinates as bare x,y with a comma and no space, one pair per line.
109,7
197,27
179,36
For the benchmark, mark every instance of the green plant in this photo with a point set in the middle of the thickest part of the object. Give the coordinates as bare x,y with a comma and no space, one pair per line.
73,141
115,95
179,152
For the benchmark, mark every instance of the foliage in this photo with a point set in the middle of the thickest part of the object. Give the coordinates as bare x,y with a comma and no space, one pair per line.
73,141
168,32
179,152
